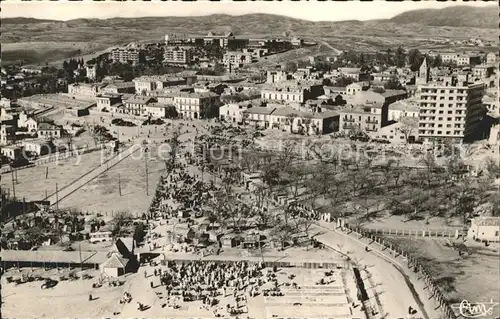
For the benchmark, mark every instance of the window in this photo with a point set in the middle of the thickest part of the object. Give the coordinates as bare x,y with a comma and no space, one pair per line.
497,233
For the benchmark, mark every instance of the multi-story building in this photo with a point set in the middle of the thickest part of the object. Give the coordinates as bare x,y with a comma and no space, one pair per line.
126,55
235,59
178,55
460,59
277,76
450,109
156,110
308,123
176,39
354,119
85,89
222,40
258,116
146,84
292,91
232,112
136,105
197,105
106,101
482,71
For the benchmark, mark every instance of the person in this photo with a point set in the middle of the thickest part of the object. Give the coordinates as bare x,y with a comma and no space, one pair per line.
90,297
366,248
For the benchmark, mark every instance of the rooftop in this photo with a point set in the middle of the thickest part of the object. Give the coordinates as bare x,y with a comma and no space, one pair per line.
486,221
53,256
259,110
115,261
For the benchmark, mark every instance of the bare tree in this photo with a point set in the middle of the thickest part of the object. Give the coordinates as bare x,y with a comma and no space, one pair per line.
409,125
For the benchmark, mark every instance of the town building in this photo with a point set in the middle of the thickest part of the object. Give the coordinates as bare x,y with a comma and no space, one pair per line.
91,70
115,266
197,105
146,84
85,89
292,91
353,73
178,55
482,71
176,39
222,39
40,148
485,229
136,104
119,88
460,59
106,101
258,116
233,60
301,122
155,110
297,42
356,118
129,54
49,131
450,109
7,134
233,112
402,109
491,59
12,152
277,76
399,132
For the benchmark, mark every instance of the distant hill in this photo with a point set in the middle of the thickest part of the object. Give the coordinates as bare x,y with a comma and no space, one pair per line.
21,20
459,16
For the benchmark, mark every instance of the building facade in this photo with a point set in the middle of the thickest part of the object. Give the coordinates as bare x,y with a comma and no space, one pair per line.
178,55
451,110
197,105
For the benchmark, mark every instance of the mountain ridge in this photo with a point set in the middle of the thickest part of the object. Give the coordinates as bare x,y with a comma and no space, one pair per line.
456,16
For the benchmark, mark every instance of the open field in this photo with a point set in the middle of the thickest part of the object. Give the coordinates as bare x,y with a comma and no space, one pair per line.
473,278
34,53
102,194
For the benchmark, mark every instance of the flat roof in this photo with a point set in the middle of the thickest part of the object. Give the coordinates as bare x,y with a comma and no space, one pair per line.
73,257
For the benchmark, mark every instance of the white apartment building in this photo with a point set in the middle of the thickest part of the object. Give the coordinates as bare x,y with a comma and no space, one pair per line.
231,112
449,109
125,55
197,105
177,55
236,59
460,59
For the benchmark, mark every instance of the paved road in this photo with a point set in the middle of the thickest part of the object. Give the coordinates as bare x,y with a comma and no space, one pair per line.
396,294
75,185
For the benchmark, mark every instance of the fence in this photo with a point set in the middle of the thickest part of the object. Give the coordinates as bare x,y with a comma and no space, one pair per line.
413,264
446,233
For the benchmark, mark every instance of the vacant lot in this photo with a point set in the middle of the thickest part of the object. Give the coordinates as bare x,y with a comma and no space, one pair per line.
473,277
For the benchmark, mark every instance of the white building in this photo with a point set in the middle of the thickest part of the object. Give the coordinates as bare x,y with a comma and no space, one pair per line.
91,70
178,55
85,89
485,228
232,112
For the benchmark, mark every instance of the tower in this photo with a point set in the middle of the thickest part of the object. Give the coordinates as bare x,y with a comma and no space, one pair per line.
423,73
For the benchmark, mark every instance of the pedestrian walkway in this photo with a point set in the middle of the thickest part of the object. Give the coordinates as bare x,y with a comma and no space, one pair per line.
397,295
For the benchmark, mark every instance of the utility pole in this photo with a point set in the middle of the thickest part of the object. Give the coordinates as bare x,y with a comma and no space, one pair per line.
46,172
57,197
147,178
119,185
13,185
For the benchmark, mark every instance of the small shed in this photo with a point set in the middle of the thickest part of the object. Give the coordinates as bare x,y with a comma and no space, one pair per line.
231,240
115,266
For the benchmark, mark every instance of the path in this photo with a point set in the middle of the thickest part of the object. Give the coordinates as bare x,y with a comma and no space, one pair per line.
69,189
395,293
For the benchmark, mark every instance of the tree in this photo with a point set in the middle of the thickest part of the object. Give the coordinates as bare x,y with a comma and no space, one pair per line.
400,57
415,59
409,125
393,84
339,100
343,81
437,62
291,67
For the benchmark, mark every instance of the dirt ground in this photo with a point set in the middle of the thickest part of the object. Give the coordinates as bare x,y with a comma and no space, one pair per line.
473,278
71,297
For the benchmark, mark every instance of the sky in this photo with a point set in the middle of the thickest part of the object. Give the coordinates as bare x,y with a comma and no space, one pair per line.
311,10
